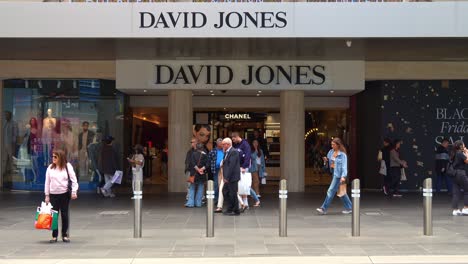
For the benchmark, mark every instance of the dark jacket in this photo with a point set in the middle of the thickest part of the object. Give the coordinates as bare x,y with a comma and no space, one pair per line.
188,158
244,153
108,161
231,169
386,155
441,159
199,159
89,140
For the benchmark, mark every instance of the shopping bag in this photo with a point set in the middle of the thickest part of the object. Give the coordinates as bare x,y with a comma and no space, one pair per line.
383,168
263,180
342,190
117,178
245,183
403,175
46,218
43,221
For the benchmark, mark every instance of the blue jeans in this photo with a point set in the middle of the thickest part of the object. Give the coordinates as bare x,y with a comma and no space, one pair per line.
254,195
195,196
442,177
334,185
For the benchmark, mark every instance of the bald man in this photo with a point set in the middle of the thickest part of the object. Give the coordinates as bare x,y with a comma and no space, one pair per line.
231,174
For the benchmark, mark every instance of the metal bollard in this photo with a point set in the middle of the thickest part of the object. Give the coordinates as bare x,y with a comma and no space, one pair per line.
283,217
356,196
137,201
427,204
210,209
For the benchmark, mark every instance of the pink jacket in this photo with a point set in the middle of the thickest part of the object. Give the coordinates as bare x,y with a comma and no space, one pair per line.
57,180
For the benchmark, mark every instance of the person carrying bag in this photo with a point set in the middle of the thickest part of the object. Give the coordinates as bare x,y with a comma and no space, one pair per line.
61,185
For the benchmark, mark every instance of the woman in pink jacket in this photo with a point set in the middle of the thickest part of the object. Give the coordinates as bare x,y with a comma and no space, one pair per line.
60,186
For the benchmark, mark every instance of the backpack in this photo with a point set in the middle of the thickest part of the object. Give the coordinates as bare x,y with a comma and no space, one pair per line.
450,170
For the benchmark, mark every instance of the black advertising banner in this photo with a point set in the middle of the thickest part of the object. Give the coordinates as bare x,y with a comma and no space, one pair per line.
422,114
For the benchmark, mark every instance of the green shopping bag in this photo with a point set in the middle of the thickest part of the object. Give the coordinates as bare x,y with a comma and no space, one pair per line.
54,225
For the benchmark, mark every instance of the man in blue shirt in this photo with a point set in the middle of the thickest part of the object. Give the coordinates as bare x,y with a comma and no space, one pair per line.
215,157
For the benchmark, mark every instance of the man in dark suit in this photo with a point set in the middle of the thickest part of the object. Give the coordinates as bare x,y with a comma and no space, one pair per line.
231,174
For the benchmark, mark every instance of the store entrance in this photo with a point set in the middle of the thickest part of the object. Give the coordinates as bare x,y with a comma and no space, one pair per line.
150,129
263,127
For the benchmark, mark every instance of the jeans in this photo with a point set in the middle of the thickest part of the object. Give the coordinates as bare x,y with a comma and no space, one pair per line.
460,182
395,173
195,194
254,195
442,177
334,185
108,185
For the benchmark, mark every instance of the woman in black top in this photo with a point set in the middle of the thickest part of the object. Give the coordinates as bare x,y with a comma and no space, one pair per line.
460,179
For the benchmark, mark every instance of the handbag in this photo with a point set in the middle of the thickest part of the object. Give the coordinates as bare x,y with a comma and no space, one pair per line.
191,178
342,190
69,187
383,168
403,175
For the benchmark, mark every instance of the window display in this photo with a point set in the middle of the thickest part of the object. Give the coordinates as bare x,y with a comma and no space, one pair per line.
72,115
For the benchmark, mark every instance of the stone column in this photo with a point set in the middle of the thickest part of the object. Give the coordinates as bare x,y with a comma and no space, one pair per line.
179,135
292,139
1,135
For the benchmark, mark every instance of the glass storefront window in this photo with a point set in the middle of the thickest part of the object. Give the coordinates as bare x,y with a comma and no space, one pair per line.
321,128
42,115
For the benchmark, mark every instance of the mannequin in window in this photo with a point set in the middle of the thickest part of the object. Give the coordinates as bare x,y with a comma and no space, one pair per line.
10,134
33,145
48,127
69,143
84,139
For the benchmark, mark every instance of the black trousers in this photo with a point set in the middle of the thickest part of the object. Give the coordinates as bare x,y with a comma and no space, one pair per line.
230,195
460,182
60,203
395,173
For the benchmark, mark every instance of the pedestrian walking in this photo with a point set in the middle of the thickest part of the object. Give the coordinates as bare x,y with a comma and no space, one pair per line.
137,161
231,174
384,161
460,178
442,158
108,164
337,162
60,186
198,168
397,165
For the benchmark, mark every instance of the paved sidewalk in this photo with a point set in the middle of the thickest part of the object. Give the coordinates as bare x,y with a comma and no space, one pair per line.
258,260
103,228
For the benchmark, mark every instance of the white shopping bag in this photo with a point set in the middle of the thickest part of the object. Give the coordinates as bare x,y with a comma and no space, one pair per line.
245,183
46,208
117,178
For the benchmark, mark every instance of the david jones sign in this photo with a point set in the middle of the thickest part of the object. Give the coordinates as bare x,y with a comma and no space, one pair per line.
262,20
209,74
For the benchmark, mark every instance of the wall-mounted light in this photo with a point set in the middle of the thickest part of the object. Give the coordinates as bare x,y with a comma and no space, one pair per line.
349,43
39,84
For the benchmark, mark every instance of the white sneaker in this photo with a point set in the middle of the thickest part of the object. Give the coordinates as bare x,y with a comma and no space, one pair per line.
346,211
111,195
457,212
464,211
321,211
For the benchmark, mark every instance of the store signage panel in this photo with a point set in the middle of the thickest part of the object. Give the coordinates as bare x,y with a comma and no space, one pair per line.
240,75
232,20
242,116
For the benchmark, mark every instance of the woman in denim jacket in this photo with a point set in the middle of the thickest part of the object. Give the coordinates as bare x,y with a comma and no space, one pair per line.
257,166
338,164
